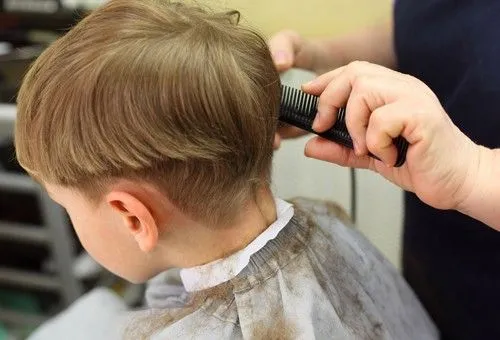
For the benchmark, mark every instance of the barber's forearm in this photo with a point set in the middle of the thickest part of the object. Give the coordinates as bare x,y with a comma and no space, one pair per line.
483,202
374,44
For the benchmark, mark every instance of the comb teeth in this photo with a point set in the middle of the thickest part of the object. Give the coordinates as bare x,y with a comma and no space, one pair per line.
298,106
299,109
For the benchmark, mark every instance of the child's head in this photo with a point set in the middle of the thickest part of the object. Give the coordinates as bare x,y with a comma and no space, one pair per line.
178,99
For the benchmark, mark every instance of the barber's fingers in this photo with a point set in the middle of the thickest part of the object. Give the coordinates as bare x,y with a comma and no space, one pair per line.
351,94
328,104
353,70
284,47
335,89
326,150
365,88
386,123
369,94
318,85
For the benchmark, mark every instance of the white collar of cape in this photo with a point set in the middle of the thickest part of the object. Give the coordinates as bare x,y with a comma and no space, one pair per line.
222,270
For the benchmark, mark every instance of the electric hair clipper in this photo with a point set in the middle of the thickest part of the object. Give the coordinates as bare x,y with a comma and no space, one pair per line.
299,109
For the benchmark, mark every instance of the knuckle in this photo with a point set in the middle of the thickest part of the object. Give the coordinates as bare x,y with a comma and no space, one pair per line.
376,120
356,67
362,83
357,64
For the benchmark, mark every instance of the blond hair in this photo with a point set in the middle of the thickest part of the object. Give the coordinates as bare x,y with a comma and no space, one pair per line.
159,91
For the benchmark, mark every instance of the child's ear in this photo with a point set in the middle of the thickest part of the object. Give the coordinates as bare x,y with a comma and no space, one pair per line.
138,219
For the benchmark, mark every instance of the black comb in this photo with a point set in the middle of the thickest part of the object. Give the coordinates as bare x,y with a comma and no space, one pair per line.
298,108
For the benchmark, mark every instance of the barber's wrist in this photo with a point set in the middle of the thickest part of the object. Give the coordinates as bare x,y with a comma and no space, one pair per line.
476,189
325,55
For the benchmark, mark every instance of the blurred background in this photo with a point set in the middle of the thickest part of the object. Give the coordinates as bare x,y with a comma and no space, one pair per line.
42,265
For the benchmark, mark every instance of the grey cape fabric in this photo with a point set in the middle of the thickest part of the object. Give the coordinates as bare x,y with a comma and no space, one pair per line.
318,279
97,315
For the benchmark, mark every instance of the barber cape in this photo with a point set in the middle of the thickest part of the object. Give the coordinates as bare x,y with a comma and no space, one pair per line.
308,276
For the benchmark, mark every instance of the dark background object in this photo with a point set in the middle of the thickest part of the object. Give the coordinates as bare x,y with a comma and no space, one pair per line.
28,27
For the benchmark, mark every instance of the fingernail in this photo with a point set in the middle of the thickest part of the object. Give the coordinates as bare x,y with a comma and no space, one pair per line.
306,150
280,58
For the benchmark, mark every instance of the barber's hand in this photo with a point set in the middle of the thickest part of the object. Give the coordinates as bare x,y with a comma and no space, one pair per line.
441,162
289,49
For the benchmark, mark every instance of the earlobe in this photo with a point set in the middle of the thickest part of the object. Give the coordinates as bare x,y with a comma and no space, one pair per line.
138,219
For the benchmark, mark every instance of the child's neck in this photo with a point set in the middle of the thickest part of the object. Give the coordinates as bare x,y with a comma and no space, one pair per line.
197,244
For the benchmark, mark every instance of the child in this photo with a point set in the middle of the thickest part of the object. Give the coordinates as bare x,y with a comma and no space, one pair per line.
152,122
